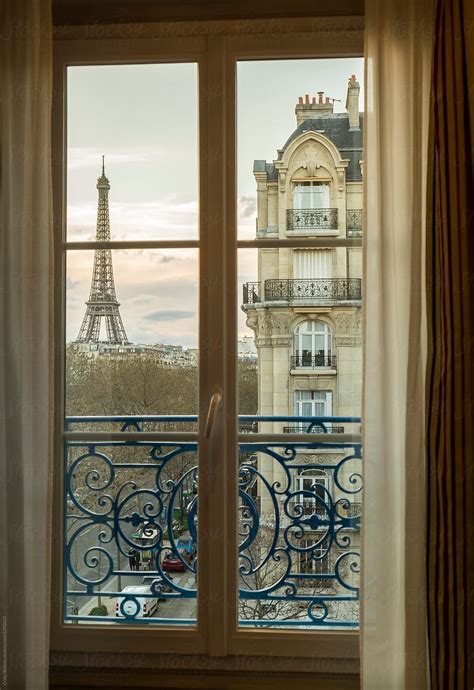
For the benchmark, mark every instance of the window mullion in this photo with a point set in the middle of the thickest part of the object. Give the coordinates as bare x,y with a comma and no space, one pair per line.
215,608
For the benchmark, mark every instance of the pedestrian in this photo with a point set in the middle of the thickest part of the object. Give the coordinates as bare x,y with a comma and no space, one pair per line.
132,558
137,560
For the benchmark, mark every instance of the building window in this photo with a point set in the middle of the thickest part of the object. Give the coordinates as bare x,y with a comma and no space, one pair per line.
309,195
313,345
312,491
313,264
313,403
314,559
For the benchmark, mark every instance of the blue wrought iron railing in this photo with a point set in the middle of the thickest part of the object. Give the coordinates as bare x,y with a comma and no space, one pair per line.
129,500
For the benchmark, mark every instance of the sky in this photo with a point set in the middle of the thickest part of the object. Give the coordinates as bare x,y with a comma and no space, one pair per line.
144,119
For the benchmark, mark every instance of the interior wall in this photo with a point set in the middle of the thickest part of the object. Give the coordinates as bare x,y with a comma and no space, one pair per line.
113,12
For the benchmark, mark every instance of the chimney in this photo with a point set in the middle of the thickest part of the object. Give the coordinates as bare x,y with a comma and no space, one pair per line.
352,102
310,109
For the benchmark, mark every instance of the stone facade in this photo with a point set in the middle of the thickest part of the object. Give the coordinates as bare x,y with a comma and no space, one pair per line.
305,310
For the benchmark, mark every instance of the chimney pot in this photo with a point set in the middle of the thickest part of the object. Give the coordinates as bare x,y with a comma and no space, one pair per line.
312,107
352,103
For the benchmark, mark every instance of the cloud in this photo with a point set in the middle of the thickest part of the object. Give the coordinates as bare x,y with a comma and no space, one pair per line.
161,219
89,157
168,315
247,206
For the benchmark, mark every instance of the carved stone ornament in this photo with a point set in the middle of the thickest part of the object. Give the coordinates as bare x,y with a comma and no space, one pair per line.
281,341
347,322
281,324
355,341
340,179
322,458
252,321
265,325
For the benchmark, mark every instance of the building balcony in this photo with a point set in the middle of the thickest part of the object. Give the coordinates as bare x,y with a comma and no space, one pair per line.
131,512
311,219
293,290
354,222
317,361
252,293
314,428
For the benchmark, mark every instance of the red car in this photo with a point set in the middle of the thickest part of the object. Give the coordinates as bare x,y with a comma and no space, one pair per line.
173,563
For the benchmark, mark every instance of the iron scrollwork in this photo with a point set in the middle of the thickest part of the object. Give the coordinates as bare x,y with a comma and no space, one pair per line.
312,219
127,502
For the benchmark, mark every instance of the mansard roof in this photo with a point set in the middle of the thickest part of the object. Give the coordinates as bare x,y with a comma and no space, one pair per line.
269,168
336,128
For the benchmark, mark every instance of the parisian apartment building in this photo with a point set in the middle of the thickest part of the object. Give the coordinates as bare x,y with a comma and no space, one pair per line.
305,306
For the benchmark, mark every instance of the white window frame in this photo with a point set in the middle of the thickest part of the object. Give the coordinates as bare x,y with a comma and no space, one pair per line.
318,477
299,195
299,334
216,52
319,567
313,401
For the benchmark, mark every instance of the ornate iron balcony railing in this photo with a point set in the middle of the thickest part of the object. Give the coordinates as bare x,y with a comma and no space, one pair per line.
311,219
251,293
316,428
330,289
313,361
127,501
318,289
354,222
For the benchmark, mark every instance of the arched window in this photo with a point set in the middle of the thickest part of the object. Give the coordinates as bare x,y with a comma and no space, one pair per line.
313,345
312,485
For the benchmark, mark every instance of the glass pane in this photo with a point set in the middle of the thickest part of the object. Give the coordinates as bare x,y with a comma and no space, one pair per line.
272,110
144,120
299,542
131,532
131,505
149,298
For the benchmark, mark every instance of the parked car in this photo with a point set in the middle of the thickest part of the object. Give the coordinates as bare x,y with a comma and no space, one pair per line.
186,542
176,563
147,605
165,588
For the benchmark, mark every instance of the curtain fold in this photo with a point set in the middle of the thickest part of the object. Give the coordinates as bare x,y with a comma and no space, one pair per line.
451,377
398,52
25,339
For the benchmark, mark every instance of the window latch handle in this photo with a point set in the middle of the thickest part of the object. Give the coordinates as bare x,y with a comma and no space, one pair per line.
214,404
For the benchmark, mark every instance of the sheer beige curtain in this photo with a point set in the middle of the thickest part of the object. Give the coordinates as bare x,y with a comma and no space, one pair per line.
25,329
398,52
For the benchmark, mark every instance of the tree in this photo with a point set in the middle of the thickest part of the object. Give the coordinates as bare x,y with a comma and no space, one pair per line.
267,569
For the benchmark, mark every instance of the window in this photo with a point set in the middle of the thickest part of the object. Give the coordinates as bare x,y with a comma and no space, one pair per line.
313,345
313,264
311,195
314,560
312,489
186,496
313,403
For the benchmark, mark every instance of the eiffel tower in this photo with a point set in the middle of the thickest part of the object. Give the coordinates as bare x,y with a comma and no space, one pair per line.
102,302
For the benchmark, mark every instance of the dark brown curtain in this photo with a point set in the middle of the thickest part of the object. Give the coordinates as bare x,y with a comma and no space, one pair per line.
450,564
